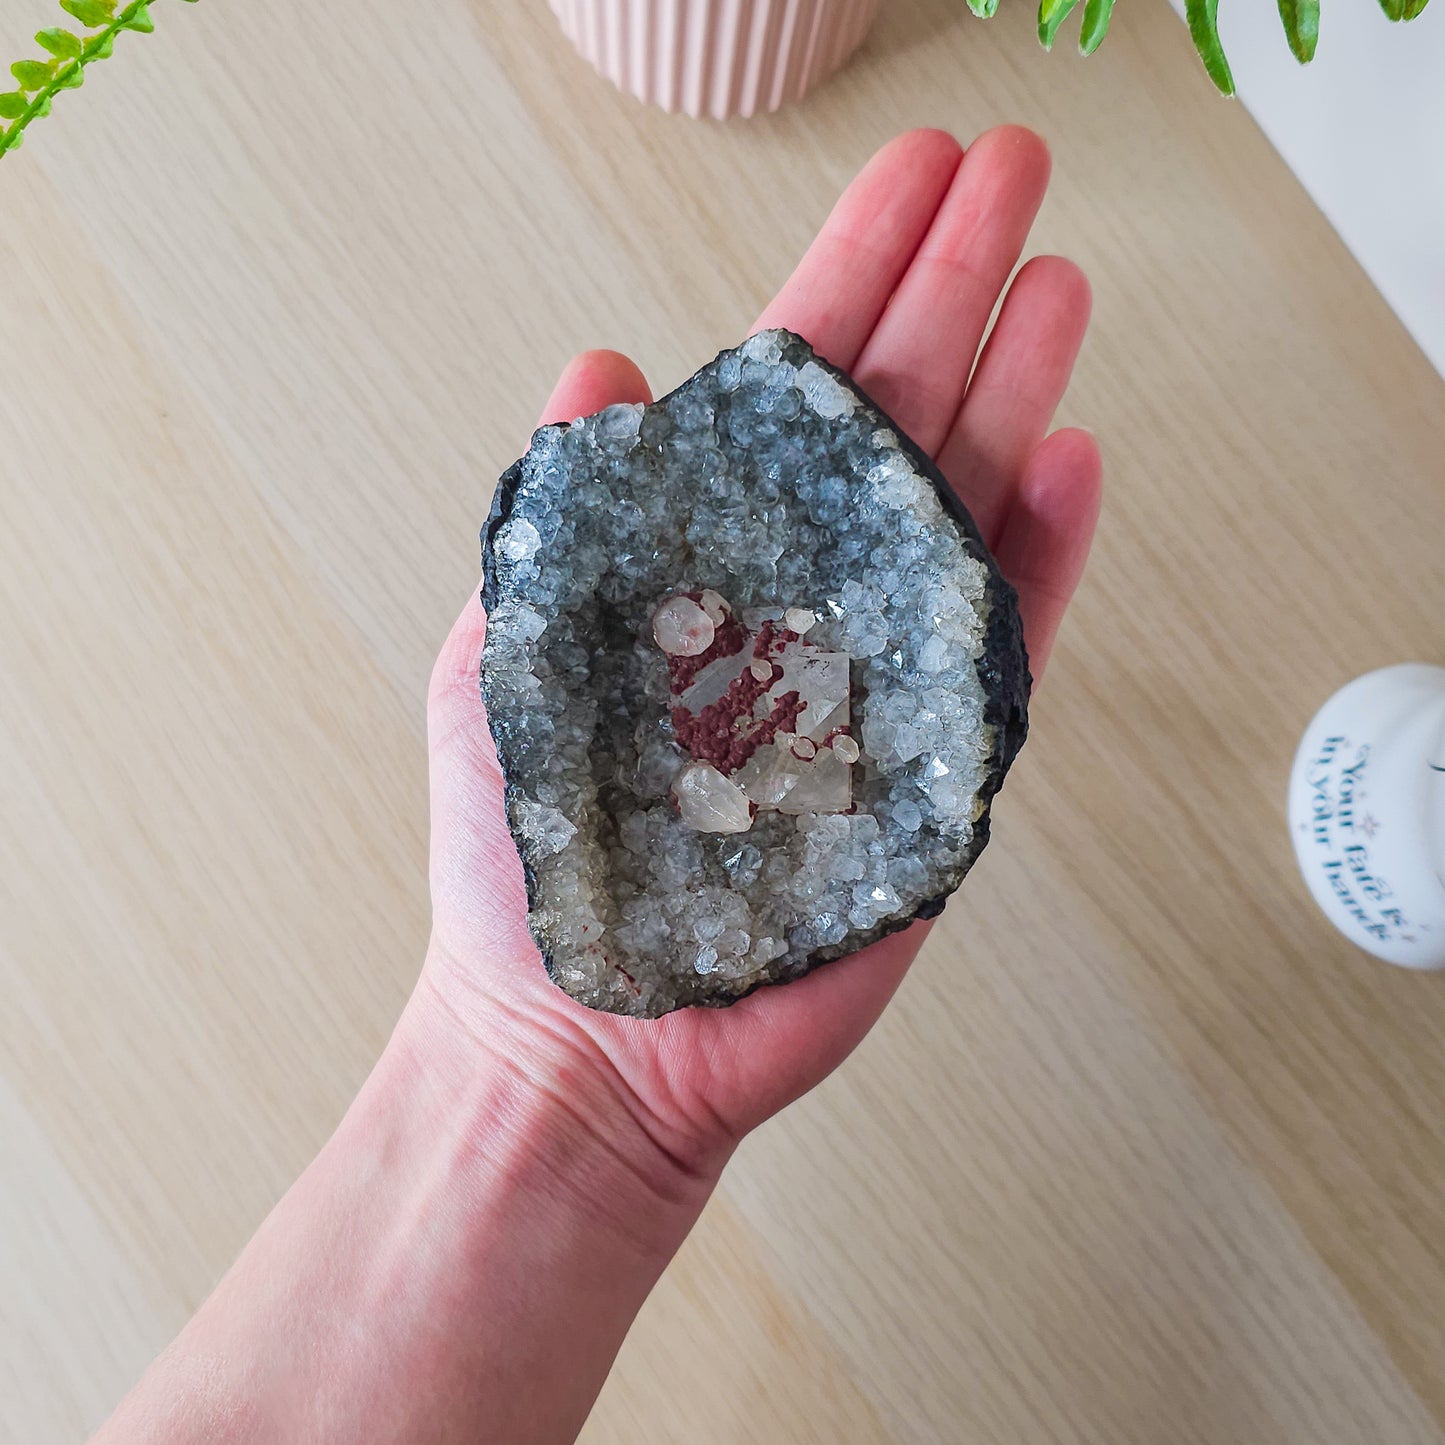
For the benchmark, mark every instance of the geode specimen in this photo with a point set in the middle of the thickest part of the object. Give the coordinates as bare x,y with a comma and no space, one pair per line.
753,678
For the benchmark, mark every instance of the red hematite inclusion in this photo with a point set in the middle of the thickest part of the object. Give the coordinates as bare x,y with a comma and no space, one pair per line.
711,736
764,716
726,733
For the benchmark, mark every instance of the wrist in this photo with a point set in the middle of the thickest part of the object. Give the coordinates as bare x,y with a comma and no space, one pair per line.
481,1229
530,1109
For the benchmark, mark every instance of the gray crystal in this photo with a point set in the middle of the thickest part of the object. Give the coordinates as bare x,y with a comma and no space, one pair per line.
771,481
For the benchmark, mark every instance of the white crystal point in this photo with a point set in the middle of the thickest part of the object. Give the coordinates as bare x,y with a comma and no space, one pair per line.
846,748
519,540
547,830
825,785
715,605
771,773
822,392
708,802
822,682
682,628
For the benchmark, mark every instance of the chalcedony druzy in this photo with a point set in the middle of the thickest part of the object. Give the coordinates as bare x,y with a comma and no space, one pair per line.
753,679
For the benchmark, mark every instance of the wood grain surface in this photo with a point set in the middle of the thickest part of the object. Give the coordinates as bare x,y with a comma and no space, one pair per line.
1142,1153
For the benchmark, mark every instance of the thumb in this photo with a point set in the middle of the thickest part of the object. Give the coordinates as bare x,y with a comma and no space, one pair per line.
593,380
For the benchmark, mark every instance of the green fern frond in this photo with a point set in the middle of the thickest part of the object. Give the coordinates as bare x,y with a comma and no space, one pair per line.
1203,18
1301,27
1097,14
67,55
1301,20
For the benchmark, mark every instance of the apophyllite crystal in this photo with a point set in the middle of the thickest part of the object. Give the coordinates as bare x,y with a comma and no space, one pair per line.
762,712
753,680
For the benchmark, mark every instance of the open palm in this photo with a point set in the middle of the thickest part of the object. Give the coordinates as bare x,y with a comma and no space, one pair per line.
897,289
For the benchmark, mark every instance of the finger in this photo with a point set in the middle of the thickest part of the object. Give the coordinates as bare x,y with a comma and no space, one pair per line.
1046,539
789,1038
1017,386
591,381
842,285
917,362
454,699
479,896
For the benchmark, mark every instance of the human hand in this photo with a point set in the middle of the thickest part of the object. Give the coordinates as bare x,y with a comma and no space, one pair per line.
897,289
466,1254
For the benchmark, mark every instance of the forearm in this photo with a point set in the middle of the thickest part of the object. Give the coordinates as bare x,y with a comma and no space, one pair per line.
462,1261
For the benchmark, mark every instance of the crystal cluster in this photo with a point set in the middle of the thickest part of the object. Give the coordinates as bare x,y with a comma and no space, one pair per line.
763,543
761,711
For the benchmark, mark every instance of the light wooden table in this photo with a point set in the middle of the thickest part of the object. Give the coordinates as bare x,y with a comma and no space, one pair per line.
1143,1153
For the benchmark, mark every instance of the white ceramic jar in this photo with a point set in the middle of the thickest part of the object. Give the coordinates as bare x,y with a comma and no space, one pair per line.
716,58
1367,812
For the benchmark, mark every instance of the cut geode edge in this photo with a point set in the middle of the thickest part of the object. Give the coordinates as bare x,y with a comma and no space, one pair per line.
1006,686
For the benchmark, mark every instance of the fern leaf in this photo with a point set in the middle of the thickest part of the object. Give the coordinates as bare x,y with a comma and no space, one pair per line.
1301,27
33,74
1052,14
1097,14
60,43
40,81
91,13
1203,17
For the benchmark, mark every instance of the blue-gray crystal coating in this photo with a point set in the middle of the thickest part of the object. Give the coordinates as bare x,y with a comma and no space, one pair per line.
772,479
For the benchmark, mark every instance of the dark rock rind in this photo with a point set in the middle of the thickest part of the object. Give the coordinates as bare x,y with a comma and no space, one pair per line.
1003,671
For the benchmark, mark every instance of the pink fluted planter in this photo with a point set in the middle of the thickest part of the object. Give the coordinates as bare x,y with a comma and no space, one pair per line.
716,57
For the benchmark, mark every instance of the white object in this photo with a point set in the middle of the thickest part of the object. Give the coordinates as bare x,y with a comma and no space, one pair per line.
716,58
1367,812
682,629
711,803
